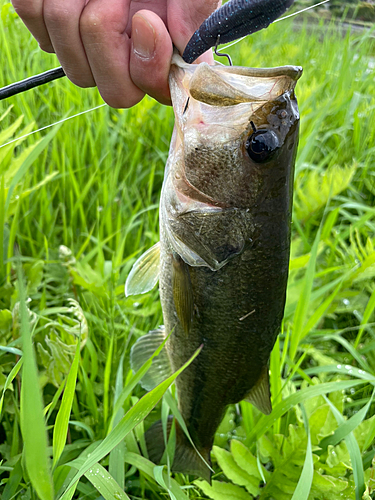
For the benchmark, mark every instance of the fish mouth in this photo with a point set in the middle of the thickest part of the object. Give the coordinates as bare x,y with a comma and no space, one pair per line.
223,86
205,95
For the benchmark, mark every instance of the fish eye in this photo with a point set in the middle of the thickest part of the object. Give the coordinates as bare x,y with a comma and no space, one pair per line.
262,144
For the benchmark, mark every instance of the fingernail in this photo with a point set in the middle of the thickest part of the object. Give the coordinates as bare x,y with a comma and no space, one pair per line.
143,35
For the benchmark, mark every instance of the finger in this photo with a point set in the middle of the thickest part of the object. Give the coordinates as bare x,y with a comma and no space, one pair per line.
107,47
151,55
31,13
185,17
62,22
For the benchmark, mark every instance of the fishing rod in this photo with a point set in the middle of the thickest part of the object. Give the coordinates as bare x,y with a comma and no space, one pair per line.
234,20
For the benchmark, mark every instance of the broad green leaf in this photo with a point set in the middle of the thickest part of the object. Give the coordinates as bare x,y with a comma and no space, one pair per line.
132,418
223,491
234,472
32,416
60,429
315,188
265,422
244,458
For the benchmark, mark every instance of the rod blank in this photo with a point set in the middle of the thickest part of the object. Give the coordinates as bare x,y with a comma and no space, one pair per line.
30,83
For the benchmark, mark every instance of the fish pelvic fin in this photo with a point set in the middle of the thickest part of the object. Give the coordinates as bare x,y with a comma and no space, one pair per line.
260,394
186,459
142,351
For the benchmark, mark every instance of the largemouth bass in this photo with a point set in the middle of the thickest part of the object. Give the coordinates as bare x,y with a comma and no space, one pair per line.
222,261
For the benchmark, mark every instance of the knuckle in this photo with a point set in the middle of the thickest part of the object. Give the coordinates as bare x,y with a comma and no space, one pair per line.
96,21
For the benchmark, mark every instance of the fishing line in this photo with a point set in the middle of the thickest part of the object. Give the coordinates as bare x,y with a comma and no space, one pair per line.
53,124
281,19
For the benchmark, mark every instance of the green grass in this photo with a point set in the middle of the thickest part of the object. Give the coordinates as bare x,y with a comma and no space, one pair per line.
79,204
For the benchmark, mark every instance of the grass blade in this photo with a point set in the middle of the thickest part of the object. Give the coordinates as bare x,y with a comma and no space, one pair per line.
32,416
148,467
116,457
366,316
12,375
354,452
304,301
347,426
303,488
14,481
132,418
102,480
60,429
127,390
29,160
343,369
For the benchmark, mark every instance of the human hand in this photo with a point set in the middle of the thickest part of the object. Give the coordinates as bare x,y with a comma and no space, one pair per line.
124,47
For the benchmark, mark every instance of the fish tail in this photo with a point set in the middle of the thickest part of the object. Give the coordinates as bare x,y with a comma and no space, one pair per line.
186,459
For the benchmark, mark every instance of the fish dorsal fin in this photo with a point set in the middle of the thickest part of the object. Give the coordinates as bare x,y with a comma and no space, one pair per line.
145,272
260,394
182,293
142,351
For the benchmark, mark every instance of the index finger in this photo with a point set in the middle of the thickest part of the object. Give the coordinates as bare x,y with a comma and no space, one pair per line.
107,47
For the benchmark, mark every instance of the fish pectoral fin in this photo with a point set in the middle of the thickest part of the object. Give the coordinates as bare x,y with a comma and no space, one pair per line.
260,394
182,293
145,272
142,351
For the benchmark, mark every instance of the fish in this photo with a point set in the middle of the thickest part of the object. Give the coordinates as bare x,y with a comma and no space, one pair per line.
223,256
